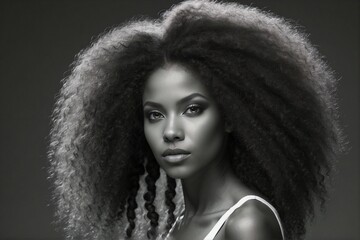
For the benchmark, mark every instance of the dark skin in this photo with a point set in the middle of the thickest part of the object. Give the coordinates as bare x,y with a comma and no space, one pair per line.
252,221
176,118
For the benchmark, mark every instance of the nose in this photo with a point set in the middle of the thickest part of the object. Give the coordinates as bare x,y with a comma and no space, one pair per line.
173,131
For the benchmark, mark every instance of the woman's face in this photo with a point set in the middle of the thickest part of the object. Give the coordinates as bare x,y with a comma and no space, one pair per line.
182,122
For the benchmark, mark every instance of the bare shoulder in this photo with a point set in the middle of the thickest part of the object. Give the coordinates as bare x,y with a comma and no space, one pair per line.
252,221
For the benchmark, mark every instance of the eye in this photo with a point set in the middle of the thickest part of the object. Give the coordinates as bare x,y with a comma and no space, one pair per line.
194,110
155,115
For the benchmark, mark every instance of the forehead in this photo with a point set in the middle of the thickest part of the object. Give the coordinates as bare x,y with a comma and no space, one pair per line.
172,81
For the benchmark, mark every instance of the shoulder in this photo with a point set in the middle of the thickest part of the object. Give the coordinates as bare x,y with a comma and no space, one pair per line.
252,221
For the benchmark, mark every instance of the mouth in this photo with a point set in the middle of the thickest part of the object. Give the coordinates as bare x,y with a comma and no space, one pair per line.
175,155
176,158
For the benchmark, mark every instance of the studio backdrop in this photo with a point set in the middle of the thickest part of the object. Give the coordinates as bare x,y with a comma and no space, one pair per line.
38,42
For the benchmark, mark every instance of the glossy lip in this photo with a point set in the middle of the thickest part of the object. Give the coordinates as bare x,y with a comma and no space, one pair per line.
175,158
175,155
175,151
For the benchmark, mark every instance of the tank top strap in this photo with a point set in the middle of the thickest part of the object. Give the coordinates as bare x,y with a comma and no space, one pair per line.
211,235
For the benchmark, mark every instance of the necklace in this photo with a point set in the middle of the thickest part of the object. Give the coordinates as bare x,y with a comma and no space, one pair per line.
181,217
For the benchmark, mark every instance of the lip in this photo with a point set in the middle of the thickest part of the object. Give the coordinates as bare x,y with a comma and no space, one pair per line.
175,155
175,151
176,158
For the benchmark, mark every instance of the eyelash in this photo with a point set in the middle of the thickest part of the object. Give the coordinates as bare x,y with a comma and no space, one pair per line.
151,113
200,109
197,107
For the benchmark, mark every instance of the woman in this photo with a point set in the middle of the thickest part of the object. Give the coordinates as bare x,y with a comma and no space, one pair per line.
233,102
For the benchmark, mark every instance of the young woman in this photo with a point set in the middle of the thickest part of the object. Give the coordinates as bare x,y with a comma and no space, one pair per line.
227,106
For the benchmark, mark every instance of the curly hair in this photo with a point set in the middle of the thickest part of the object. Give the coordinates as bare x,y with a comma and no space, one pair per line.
270,83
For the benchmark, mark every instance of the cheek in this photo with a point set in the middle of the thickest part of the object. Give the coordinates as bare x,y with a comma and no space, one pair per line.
207,134
152,137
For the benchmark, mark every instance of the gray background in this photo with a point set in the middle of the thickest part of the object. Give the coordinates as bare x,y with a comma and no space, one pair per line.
38,41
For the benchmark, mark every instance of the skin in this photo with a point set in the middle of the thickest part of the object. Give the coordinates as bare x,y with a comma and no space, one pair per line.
179,112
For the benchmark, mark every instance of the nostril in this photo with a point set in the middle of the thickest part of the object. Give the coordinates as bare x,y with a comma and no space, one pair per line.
172,136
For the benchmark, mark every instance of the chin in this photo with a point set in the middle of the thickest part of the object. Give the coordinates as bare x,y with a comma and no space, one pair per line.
178,172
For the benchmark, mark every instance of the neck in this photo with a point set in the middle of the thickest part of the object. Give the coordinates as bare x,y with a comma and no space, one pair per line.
213,189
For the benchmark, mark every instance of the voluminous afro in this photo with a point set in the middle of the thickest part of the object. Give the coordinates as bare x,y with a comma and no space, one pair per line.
272,87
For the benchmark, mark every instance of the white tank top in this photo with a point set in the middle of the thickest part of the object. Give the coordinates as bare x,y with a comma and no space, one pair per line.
214,231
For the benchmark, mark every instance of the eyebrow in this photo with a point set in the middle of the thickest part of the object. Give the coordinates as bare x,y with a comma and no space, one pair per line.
181,101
